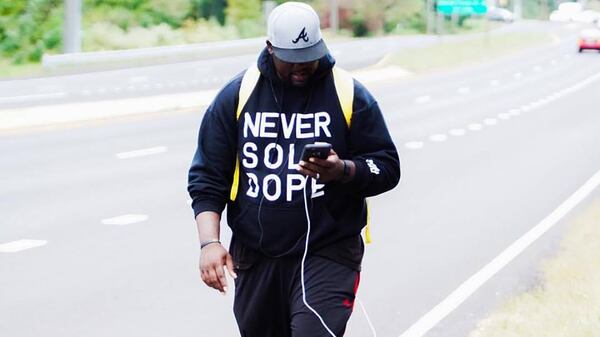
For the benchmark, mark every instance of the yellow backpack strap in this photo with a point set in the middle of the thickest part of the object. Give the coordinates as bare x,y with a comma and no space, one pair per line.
368,227
344,86
249,81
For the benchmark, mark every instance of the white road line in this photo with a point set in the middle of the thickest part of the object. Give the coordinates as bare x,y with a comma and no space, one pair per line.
457,132
142,152
138,79
514,112
537,68
464,90
503,115
27,98
518,76
127,219
494,83
490,121
438,138
475,127
19,245
422,99
525,108
414,145
465,290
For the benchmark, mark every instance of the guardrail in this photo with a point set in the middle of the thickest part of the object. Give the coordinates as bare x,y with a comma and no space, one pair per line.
154,55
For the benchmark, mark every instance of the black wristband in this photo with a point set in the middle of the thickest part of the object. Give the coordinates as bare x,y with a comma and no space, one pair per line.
346,169
206,243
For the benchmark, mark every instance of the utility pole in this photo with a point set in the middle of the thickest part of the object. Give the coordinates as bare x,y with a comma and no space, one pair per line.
428,16
334,21
518,9
72,27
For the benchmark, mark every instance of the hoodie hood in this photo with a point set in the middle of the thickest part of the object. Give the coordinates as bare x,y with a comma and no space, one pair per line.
267,68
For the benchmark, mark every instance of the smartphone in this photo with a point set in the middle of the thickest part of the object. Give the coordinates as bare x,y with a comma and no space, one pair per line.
317,150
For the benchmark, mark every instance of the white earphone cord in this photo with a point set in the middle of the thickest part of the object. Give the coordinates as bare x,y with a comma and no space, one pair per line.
304,260
302,272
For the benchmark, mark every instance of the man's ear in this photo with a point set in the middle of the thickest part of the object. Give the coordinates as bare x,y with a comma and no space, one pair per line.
269,47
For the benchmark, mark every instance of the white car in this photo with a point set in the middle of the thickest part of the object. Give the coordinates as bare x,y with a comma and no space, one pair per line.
558,16
500,14
566,12
587,16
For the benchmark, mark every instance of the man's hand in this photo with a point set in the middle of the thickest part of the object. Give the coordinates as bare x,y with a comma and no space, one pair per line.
324,170
214,258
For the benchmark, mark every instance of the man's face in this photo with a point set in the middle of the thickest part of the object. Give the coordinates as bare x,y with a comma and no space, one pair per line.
297,74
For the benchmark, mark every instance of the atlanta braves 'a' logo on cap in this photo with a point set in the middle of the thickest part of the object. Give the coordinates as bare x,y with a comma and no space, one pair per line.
302,36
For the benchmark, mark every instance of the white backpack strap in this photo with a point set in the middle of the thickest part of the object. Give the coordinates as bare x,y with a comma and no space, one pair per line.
249,81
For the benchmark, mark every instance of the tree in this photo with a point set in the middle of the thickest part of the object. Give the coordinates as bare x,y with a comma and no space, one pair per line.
246,16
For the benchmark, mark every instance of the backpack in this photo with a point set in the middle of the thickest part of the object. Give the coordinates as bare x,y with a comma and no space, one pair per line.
344,87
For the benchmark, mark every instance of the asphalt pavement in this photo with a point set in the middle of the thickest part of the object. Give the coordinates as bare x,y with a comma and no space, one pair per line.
487,152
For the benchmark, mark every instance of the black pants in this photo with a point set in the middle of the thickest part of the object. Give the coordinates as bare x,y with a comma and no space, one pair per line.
268,297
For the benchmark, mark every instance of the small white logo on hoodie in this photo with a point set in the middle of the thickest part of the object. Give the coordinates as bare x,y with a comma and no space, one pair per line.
372,167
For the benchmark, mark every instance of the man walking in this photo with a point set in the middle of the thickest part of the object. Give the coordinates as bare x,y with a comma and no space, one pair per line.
296,248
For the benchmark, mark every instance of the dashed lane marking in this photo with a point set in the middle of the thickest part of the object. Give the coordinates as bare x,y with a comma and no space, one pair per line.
475,127
490,121
20,245
126,219
142,152
457,132
414,145
438,138
422,99
464,90
514,112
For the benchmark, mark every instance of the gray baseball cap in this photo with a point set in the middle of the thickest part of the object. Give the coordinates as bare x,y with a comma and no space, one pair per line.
295,33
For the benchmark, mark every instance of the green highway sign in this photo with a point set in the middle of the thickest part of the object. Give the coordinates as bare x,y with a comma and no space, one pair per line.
462,7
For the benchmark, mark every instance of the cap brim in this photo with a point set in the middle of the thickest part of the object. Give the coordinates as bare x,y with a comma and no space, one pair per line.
308,54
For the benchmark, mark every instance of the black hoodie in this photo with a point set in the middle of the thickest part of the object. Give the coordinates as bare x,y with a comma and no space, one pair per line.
268,214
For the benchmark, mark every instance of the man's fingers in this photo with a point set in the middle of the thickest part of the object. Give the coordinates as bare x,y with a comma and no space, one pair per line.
305,168
322,162
229,263
214,280
221,279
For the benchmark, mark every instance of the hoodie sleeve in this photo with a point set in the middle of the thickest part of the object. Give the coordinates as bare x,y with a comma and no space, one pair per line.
371,147
211,173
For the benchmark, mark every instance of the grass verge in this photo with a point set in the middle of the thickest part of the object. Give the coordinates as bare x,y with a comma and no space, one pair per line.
9,70
567,304
446,54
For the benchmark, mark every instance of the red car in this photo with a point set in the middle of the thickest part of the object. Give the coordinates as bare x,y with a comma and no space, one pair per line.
589,39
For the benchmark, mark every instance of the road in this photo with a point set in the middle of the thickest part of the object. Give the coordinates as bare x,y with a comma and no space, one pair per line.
192,76
487,152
